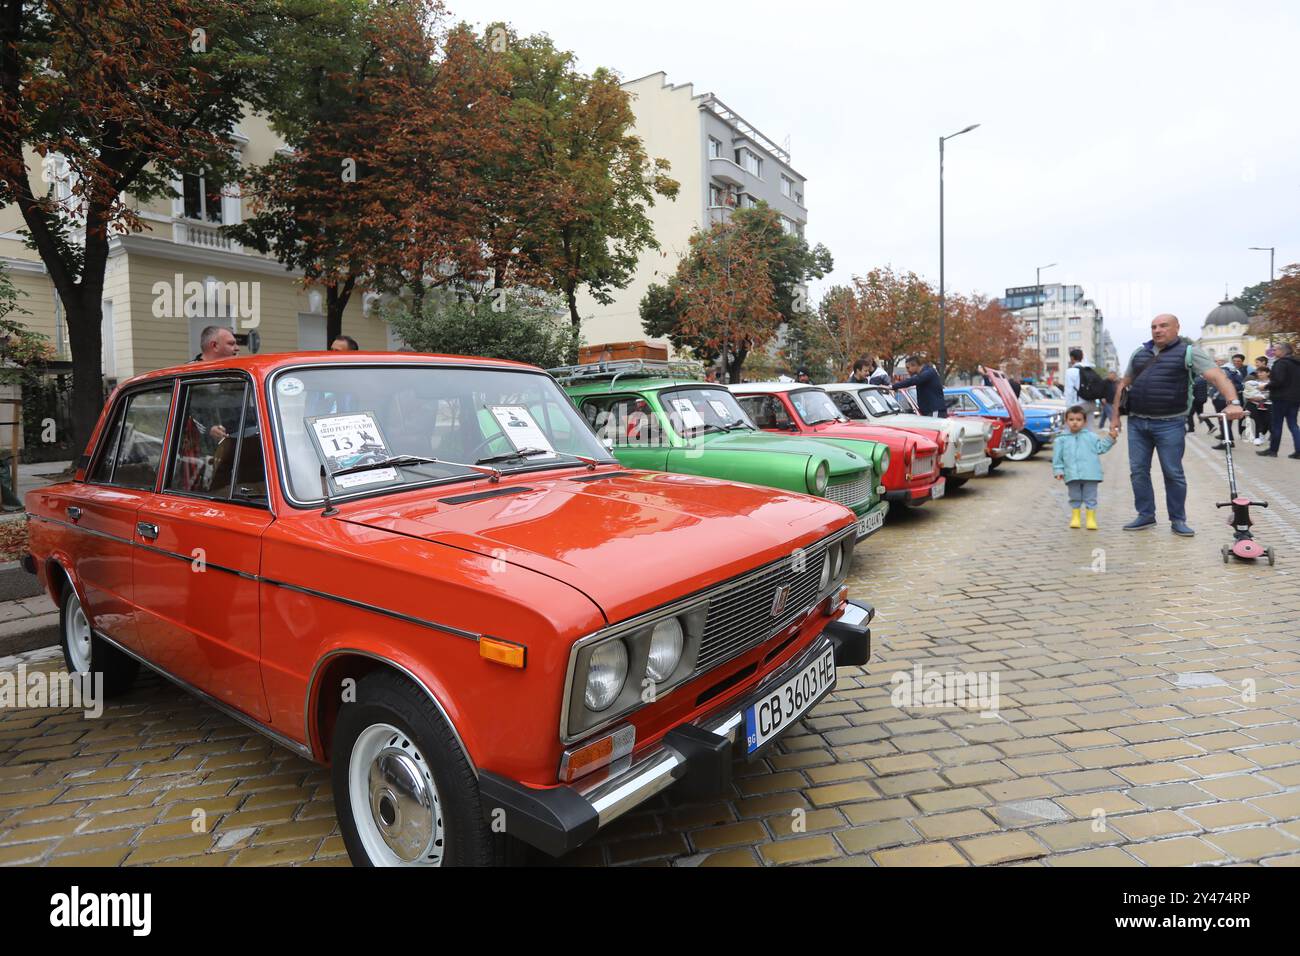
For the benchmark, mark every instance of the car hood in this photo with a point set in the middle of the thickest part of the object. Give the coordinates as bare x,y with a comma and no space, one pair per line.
951,426
631,541
841,460
896,438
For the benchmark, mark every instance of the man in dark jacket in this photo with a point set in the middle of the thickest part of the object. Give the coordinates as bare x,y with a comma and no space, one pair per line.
1158,384
929,387
1284,393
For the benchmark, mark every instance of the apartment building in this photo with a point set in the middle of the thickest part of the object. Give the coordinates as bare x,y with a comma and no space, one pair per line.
1058,318
723,163
165,284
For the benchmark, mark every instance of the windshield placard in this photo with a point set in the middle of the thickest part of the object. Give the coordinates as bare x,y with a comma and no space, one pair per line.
521,430
345,441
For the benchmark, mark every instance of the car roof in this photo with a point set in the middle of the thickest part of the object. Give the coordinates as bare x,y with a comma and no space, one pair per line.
757,387
632,384
263,365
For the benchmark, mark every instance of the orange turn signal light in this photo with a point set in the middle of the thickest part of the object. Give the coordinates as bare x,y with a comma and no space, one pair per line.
502,652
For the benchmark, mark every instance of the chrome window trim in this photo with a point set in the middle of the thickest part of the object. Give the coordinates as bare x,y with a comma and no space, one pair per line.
189,380
681,606
281,456
121,404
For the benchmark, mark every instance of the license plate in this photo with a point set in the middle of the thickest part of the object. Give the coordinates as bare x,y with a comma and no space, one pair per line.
982,469
787,702
869,524
938,489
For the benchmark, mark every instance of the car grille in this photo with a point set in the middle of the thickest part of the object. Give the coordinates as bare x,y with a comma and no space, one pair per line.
922,467
972,447
740,613
851,493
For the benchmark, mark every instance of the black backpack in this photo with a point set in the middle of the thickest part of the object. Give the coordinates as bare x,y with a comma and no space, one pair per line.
1091,385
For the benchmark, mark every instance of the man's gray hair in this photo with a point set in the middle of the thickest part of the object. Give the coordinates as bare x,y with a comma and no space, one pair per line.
1284,349
209,335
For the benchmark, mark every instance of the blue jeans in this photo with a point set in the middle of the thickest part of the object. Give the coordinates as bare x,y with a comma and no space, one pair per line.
1166,437
1083,493
1284,411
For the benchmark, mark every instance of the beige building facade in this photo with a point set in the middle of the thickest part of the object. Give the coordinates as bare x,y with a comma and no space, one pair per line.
722,163
163,285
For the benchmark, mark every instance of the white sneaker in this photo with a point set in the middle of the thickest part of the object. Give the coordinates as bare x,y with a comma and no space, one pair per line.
1259,440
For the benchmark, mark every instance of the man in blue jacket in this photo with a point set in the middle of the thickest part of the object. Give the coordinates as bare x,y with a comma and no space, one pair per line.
929,387
1158,384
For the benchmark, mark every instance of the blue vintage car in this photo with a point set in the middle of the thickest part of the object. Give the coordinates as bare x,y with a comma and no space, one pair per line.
1042,422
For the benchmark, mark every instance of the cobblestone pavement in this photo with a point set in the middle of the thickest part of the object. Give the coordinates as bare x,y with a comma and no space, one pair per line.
1147,713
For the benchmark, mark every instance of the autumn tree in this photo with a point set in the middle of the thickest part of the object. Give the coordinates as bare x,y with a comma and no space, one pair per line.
884,314
114,98
1251,299
978,332
391,118
1280,313
738,284
572,206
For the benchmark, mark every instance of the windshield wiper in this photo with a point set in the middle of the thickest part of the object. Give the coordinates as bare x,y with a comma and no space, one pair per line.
407,461
522,453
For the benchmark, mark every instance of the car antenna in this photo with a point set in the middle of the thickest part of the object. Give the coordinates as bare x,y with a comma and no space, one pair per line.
330,511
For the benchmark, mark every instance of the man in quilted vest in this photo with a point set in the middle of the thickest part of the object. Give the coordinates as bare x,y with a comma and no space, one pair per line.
1158,386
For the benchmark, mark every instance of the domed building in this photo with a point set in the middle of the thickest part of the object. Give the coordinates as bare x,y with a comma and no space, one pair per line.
1226,333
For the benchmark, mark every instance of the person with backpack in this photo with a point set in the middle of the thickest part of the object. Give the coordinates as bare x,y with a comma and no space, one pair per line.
1157,387
1083,386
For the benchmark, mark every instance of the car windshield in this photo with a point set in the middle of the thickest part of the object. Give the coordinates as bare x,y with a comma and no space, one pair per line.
990,398
698,410
880,403
347,417
906,398
815,406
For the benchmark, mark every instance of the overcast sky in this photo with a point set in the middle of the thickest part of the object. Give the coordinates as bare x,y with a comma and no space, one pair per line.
1143,146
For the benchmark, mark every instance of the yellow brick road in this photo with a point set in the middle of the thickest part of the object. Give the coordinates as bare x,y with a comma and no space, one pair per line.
1147,713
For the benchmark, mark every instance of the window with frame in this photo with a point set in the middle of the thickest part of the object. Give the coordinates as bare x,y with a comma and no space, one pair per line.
217,452
765,411
622,419
749,162
133,451
202,195
787,186
715,148
848,405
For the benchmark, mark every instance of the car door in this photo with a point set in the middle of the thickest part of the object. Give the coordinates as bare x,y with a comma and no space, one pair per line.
122,474
198,545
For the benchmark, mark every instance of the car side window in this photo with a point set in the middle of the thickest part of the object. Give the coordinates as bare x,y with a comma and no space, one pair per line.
969,404
103,472
766,411
848,406
623,420
218,446
135,452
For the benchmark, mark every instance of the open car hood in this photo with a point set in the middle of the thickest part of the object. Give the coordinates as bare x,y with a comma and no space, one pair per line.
630,541
1008,395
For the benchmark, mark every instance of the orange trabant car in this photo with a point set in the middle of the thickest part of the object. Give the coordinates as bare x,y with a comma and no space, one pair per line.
429,573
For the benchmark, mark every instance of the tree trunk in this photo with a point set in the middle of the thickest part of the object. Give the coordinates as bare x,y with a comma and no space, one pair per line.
86,341
336,301
571,297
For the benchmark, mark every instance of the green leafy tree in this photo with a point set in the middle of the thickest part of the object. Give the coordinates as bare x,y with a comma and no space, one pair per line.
518,326
114,98
710,298
1251,299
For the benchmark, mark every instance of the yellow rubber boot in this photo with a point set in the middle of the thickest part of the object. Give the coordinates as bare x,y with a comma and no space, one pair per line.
1074,518
1092,520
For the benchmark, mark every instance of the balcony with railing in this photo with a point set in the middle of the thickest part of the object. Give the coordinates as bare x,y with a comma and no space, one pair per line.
188,232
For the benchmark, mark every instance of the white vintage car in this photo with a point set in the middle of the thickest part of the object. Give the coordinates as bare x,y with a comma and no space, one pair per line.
964,440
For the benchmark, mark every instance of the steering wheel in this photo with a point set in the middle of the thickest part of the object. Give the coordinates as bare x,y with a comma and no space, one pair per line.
485,445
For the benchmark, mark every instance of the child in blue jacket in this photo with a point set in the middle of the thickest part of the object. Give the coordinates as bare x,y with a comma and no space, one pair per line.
1076,460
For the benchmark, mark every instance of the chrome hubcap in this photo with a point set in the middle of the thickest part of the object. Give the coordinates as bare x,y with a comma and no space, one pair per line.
395,803
78,638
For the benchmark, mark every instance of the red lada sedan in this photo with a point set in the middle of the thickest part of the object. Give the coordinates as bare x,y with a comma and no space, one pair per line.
429,573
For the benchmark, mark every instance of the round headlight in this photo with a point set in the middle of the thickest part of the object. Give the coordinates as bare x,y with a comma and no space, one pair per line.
606,673
665,650
826,573
821,478
884,462
837,562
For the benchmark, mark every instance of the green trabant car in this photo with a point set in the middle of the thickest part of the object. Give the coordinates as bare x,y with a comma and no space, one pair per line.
659,416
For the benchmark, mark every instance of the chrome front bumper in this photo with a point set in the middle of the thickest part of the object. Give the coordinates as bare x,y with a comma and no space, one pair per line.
559,819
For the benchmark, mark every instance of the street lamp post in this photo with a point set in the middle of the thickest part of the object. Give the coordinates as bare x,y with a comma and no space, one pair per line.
1272,253
1038,308
942,323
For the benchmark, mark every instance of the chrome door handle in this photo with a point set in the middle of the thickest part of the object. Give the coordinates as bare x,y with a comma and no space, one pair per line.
74,513
146,530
